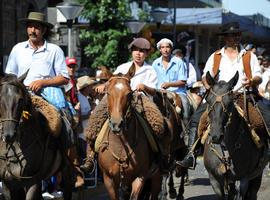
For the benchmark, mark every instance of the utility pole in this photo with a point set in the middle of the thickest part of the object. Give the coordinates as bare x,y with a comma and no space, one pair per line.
174,22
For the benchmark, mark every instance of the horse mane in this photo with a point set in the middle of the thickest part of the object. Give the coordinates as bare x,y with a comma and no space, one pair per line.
11,79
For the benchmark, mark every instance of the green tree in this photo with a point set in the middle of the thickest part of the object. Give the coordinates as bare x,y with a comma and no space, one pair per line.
106,31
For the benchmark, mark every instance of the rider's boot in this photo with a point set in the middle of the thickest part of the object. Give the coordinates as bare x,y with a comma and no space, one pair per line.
89,164
74,159
189,160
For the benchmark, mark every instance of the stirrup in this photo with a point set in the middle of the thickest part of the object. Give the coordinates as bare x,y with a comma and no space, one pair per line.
89,159
191,155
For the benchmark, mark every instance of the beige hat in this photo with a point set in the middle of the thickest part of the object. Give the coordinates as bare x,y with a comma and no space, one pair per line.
84,81
37,17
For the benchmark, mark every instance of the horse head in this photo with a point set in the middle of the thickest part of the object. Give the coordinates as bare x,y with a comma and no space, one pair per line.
119,96
220,105
15,103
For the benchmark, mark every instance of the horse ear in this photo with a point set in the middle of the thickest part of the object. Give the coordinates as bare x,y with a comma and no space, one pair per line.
209,79
22,77
234,80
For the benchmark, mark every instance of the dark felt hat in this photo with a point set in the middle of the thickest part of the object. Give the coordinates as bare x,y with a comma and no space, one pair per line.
231,27
141,43
37,17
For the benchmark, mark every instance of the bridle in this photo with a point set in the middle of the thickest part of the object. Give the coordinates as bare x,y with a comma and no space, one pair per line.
130,94
219,99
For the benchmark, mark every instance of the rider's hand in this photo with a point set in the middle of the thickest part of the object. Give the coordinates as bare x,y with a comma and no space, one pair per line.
246,82
77,107
100,89
37,85
165,85
140,87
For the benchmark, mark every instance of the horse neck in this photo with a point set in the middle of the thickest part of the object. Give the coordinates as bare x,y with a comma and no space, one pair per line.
129,137
232,131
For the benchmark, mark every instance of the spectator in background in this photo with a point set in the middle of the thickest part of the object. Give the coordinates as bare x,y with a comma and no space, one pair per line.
172,74
191,72
85,87
71,90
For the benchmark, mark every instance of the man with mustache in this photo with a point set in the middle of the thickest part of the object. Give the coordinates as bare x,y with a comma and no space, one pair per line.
47,72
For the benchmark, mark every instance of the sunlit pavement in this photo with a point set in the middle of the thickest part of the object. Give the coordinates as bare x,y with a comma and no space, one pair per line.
199,188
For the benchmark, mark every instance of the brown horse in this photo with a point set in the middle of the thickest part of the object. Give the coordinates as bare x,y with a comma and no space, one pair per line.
125,157
177,148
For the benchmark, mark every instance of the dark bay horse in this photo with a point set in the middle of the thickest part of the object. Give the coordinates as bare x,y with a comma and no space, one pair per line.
177,148
28,153
230,153
125,157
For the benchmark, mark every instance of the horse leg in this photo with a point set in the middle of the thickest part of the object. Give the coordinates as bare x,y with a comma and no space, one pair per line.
217,187
12,194
181,190
172,190
163,192
67,181
253,188
137,186
34,192
111,187
156,181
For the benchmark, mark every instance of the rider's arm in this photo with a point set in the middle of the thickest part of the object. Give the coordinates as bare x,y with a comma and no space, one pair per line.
144,88
59,80
179,83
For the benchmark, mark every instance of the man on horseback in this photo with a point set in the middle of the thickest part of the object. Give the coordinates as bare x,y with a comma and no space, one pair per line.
139,71
46,70
223,65
172,74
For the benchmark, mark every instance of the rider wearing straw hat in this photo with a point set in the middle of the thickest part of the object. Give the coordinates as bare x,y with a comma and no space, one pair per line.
45,63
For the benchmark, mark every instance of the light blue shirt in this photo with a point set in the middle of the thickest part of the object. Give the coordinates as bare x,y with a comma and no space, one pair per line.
175,71
46,62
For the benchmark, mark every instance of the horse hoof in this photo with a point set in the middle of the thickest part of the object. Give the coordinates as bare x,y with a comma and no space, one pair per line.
173,194
181,197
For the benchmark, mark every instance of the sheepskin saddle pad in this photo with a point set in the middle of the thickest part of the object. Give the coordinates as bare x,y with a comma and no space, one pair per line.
255,119
141,103
54,122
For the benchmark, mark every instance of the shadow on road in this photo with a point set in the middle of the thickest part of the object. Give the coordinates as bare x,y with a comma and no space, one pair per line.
203,197
200,181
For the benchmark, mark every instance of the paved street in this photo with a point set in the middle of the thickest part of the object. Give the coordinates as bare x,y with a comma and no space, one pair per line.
199,189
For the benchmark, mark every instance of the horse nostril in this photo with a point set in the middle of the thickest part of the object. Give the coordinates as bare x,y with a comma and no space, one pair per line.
215,139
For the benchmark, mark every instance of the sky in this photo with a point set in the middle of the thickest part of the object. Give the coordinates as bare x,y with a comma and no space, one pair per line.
248,7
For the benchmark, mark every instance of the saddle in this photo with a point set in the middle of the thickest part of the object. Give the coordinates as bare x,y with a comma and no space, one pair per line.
54,122
143,106
255,121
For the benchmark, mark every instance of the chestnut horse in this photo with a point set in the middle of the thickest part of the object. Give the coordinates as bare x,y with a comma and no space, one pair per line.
126,158
230,153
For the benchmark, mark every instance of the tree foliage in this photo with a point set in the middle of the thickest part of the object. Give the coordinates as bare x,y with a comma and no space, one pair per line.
106,30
